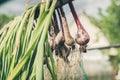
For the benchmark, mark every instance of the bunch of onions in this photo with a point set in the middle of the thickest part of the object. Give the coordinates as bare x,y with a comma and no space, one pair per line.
24,49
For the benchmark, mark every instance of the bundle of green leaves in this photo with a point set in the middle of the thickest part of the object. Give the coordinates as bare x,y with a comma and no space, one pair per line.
22,49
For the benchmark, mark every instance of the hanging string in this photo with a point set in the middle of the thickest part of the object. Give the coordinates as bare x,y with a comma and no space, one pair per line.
85,77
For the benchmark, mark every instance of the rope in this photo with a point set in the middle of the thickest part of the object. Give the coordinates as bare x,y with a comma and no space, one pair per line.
85,77
106,47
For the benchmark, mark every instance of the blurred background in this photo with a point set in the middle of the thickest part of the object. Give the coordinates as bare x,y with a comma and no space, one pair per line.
101,18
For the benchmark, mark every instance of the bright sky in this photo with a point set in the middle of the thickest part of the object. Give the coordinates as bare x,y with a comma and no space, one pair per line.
16,7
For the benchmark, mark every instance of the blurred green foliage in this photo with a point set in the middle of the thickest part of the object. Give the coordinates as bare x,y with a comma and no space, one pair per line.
4,19
2,1
109,23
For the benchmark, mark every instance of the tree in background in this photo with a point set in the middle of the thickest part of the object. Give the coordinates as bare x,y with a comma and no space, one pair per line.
109,23
4,19
2,1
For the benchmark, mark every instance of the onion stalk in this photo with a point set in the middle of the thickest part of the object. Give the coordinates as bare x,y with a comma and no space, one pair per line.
82,37
68,38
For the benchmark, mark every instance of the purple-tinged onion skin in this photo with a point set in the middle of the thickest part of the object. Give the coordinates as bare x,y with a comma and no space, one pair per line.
82,37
